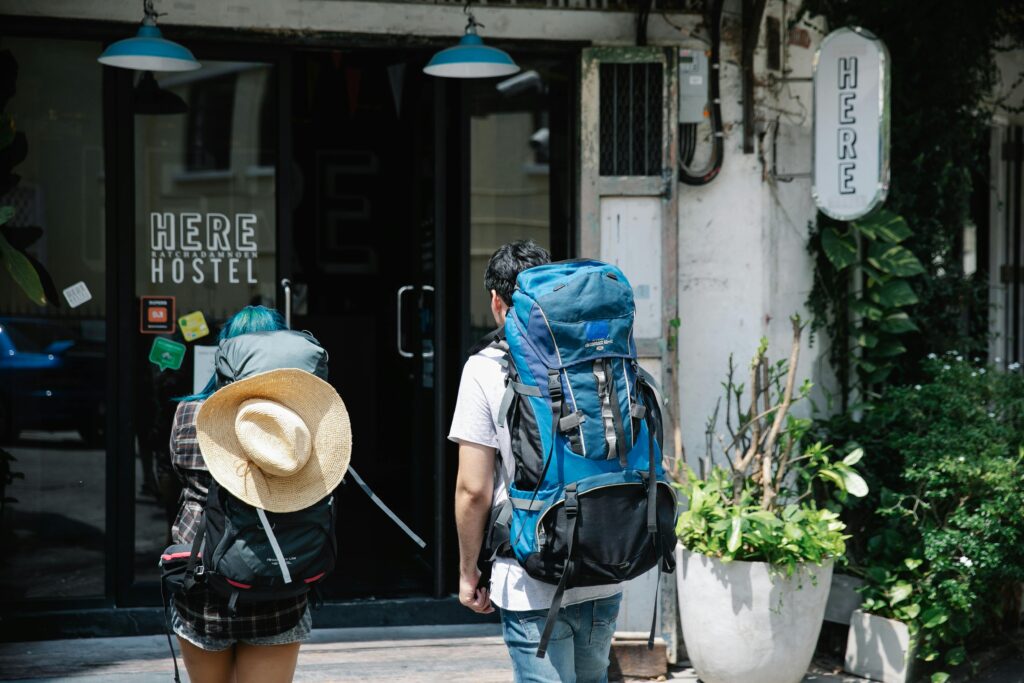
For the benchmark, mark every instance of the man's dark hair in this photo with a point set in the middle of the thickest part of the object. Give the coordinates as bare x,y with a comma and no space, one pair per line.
510,260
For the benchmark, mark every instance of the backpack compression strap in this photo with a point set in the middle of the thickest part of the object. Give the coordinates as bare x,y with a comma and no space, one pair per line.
198,543
614,434
571,514
281,563
385,509
652,524
167,625
652,493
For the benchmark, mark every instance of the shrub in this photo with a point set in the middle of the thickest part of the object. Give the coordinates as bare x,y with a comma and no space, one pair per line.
942,536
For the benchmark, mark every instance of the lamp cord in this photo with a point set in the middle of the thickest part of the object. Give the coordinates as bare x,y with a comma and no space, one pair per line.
150,15
472,24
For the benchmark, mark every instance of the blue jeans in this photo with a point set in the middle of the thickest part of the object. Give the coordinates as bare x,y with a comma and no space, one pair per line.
578,649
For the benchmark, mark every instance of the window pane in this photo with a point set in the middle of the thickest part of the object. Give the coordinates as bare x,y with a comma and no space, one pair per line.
206,245
509,174
53,393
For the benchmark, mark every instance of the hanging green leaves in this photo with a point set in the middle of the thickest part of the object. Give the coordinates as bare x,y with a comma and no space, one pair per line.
894,294
840,250
866,259
886,226
894,260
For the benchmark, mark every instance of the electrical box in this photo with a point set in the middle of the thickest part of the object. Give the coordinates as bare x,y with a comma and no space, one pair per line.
693,86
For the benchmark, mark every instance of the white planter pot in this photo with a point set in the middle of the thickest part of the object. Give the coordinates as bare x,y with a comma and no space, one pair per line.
741,623
843,599
879,649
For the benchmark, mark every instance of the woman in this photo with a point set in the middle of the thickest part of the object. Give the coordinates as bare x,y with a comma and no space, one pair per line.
255,642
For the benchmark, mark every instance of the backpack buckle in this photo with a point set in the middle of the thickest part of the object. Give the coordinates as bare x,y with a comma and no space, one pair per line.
572,504
555,385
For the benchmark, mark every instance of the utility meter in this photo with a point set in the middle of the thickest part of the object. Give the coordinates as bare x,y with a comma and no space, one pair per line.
693,86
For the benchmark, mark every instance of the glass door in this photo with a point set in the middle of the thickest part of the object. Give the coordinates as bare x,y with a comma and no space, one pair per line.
363,273
205,147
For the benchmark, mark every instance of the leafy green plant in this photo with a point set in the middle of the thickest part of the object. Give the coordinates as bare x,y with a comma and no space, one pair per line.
866,262
944,527
764,505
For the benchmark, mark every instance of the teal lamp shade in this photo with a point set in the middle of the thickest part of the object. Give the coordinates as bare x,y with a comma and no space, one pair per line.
149,51
471,59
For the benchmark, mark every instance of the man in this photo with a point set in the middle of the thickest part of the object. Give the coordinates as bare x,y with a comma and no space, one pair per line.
578,649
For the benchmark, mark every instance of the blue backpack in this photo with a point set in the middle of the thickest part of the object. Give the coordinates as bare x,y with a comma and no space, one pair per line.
589,503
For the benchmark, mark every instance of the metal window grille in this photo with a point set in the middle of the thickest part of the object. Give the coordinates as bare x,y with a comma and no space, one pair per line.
631,119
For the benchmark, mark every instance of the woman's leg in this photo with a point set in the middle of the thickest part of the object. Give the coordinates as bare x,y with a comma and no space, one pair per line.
266,663
204,666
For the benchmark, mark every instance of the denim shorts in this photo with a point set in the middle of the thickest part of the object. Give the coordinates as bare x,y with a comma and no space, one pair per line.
296,634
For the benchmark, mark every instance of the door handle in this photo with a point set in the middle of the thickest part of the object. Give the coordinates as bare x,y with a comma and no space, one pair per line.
286,285
430,353
401,292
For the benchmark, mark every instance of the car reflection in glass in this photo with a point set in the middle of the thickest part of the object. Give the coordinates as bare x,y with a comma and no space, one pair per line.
52,378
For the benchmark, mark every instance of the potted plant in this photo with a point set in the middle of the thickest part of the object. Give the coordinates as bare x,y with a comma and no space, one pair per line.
756,548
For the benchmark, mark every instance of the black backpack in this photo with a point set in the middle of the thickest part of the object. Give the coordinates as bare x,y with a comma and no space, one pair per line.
250,555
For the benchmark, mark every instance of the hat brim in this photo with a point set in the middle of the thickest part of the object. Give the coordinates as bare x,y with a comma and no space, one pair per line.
320,408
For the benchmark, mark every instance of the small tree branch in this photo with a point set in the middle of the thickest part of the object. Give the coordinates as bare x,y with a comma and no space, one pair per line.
768,489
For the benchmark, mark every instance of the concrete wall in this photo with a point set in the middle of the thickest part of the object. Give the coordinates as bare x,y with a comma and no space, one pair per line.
743,262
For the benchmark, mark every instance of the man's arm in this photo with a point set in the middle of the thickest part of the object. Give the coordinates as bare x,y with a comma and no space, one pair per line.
473,491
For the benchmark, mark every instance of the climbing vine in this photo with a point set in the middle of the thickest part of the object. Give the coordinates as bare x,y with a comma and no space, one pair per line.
943,75
864,265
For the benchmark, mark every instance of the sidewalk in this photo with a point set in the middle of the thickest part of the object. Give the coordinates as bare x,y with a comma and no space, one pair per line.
452,654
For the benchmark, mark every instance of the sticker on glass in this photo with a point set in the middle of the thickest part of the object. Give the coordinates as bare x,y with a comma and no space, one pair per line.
193,326
77,294
167,354
156,315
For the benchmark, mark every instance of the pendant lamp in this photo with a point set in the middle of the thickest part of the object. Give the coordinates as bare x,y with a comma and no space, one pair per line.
471,58
149,50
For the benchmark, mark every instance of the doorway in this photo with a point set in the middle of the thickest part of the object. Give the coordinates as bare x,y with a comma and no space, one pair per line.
362,273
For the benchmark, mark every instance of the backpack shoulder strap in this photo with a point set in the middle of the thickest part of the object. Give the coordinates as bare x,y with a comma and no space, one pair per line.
489,339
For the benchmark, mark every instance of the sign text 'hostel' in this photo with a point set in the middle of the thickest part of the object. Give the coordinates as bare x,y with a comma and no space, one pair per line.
202,248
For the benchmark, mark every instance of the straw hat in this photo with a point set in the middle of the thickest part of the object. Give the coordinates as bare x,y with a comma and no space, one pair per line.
279,440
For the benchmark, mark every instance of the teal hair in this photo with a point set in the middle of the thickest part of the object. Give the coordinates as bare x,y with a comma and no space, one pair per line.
248,320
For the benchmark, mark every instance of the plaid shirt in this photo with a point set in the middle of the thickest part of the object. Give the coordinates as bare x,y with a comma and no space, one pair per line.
201,610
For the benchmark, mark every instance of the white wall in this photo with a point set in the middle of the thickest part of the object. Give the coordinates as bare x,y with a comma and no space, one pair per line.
743,262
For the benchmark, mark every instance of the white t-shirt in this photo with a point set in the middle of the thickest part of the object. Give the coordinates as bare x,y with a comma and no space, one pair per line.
480,394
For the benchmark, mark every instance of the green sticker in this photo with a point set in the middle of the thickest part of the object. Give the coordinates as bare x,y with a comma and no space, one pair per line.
166,354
